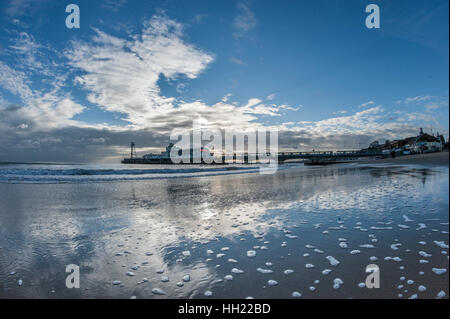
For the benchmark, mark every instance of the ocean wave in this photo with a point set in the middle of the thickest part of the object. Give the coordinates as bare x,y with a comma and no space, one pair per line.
90,172
73,175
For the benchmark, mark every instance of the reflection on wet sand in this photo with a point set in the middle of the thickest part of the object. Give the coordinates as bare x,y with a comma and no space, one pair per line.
146,238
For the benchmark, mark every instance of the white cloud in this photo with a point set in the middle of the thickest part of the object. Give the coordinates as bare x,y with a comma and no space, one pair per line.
429,102
22,126
14,81
346,132
3,102
46,110
431,106
245,21
226,97
121,76
113,5
366,104
27,51
340,112
25,44
253,102
17,7
359,122
271,97
417,99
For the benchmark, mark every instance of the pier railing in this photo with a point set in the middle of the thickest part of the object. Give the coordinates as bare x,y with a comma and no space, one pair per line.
249,158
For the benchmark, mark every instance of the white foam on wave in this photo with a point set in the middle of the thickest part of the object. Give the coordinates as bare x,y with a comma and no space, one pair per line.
407,219
441,294
333,261
397,259
326,271
439,271
90,173
424,254
441,244
264,271
228,277
158,291
165,279
421,226
337,283
288,271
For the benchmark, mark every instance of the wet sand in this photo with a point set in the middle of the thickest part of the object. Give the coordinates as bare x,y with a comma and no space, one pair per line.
430,159
304,232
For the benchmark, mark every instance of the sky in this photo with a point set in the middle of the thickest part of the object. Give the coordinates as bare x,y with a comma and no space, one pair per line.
135,70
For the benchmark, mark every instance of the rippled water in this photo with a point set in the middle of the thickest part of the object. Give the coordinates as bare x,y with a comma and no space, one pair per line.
84,173
236,235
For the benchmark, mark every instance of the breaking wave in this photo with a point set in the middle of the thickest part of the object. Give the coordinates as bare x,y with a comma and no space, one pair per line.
21,173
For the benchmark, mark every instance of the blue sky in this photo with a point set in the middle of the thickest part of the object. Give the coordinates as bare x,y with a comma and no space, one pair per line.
137,69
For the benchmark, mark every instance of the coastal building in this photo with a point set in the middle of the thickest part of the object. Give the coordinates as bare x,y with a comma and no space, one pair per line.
422,143
374,144
426,143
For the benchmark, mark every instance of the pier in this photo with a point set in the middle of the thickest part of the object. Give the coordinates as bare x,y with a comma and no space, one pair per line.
313,157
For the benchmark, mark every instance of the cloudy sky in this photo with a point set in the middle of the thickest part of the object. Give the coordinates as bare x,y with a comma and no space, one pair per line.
135,70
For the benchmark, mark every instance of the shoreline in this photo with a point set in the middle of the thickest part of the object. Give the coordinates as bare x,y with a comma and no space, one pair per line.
427,159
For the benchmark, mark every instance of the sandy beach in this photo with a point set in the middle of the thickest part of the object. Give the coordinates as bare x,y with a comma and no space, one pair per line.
304,232
430,159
